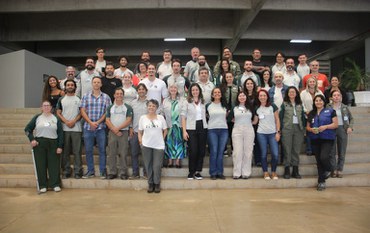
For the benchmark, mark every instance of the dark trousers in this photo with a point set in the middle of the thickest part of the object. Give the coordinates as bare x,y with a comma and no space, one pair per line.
197,147
324,151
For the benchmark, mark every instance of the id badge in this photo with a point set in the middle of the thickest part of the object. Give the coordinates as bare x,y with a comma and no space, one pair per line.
295,120
261,116
47,124
345,118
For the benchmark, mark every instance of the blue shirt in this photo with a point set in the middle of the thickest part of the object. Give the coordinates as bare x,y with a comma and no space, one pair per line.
95,108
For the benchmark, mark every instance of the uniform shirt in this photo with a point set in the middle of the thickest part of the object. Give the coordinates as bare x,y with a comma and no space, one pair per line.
86,81
70,107
292,80
156,89
217,116
119,73
245,76
266,123
164,69
242,116
130,94
78,84
303,70
206,90
118,114
180,81
95,108
139,108
153,131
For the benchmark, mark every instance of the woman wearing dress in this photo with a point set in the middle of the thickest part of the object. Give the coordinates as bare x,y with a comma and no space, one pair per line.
345,128
45,132
268,132
321,125
152,132
217,133
175,147
243,137
52,91
194,130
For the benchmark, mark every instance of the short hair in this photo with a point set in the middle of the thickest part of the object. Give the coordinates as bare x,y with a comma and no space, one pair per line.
176,60
143,86
89,58
119,89
70,80
109,64
282,54
123,56
203,68
167,51
97,50
153,101
95,77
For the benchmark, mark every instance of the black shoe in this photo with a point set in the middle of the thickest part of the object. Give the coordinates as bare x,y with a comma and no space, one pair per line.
151,188
321,186
295,173
259,164
66,176
287,173
111,176
198,176
157,188
327,175
221,177
78,176
103,175
309,153
213,177
170,166
245,177
178,166
123,177
190,177
236,177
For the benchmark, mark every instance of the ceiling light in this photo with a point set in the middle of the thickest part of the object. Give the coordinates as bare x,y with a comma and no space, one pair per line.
300,41
174,39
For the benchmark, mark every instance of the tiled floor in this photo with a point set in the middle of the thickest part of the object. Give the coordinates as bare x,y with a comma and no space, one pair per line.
335,210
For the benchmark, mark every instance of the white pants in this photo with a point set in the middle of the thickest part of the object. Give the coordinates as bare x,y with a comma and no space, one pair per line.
243,142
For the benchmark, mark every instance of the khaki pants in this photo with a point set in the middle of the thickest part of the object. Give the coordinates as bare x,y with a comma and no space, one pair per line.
243,142
117,146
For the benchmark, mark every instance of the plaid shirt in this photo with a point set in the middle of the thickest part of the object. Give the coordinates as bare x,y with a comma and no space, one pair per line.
95,107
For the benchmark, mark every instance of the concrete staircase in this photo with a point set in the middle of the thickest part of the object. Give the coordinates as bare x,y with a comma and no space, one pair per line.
16,169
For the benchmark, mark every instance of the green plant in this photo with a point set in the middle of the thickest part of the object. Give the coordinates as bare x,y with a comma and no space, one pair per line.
354,78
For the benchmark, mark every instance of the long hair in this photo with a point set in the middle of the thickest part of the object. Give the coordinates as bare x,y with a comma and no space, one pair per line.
316,85
269,82
46,93
222,71
223,101
247,105
223,85
313,112
297,99
268,103
190,95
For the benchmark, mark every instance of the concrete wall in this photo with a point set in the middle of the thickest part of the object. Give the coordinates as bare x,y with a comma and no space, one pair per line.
22,78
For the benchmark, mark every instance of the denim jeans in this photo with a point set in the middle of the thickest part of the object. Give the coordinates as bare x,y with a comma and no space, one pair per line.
264,140
217,139
89,137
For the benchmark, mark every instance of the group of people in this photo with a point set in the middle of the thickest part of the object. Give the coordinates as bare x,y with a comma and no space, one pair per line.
162,114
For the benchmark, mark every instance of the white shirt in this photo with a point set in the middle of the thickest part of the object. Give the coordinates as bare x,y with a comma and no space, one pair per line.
303,70
153,131
278,97
70,107
292,79
119,73
157,89
164,69
99,65
86,81
206,90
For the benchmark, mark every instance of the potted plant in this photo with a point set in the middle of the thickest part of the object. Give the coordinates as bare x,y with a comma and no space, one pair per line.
356,80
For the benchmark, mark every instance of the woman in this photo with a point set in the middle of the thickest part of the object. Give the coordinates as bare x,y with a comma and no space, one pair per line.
345,127
45,133
141,74
230,91
292,118
243,137
224,67
250,89
321,125
268,132
194,130
52,91
335,86
130,91
175,146
139,108
152,132
217,133
267,80
307,96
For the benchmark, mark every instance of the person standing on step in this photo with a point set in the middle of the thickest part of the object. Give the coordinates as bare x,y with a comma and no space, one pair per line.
293,121
152,132
68,111
52,92
118,120
345,128
194,130
45,132
93,106
321,125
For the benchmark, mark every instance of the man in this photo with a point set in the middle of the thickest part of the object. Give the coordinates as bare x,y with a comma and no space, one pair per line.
93,107
86,76
322,80
100,62
248,73
118,119
68,110
109,82
234,66
259,66
164,68
119,72
302,69
194,73
279,65
156,87
291,78
193,63
181,82
205,84
145,57
277,92
70,75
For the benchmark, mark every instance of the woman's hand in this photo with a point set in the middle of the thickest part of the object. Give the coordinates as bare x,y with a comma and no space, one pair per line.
277,137
185,135
323,128
34,143
349,131
59,150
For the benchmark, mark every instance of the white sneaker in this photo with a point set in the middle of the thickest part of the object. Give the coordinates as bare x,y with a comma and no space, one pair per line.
43,190
266,176
57,189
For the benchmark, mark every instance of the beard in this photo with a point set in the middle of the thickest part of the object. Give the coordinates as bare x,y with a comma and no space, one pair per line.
201,63
70,90
290,68
108,73
90,67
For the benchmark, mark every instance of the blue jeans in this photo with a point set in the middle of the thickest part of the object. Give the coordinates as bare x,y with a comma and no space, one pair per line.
217,139
264,140
89,137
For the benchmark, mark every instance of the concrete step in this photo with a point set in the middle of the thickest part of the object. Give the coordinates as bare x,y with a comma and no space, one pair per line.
14,139
11,116
20,110
29,181
14,123
12,131
305,170
304,159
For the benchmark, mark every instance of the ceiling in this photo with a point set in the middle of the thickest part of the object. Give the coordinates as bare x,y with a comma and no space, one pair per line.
68,31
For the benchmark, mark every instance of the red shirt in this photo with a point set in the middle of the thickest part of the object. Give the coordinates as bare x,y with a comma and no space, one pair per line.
322,81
